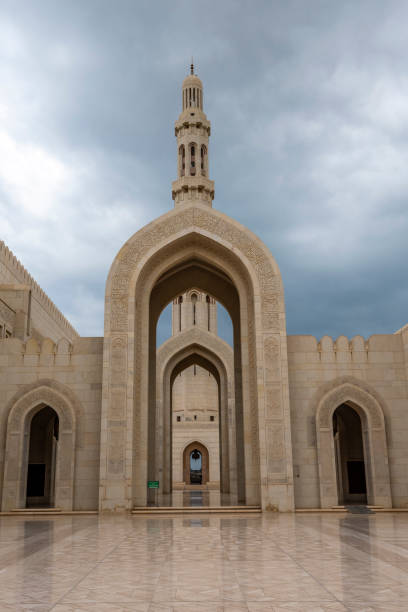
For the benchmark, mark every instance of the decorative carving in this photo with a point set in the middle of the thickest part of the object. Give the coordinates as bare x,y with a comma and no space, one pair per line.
42,396
342,392
273,403
199,229
119,320
119,358
116,449
117,404
272,359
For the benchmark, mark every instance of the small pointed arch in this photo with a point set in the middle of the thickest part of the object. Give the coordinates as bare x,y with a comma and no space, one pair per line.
192,150
194,295
182,160
370,407
21,409
203,160
196,452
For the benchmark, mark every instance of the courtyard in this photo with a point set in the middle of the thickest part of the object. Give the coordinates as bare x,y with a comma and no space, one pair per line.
269,562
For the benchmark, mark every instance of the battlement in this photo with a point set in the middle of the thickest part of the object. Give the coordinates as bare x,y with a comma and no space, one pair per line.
18,272
343,349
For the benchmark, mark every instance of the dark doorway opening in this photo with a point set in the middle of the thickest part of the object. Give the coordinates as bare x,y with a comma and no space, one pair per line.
349,456
42,457
36,480
356,477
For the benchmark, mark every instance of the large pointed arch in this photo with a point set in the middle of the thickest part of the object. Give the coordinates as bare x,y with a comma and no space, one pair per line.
21,409
229,262
370,407
212,353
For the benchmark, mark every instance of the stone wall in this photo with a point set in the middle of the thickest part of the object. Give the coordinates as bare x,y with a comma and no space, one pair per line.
76,371
380,363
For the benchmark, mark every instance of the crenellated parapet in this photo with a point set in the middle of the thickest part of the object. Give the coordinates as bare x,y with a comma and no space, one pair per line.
14,272
342,349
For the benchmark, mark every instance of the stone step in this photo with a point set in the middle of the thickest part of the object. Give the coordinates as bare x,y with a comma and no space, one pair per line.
45,512
196,509
36,510
362,505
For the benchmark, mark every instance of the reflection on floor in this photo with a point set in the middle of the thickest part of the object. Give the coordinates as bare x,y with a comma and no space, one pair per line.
195,495
269,562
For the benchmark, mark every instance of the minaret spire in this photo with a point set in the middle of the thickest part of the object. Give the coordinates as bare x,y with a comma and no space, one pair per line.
192,131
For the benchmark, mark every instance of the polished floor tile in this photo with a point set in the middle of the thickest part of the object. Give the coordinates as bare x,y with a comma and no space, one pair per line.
259,563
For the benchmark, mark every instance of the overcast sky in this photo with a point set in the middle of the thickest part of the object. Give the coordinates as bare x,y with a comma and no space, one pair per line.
309,148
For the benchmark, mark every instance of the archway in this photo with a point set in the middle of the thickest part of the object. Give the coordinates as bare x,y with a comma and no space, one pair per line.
195,246
359,398
42,458
221,287
46,398
196,464
196,346
349,456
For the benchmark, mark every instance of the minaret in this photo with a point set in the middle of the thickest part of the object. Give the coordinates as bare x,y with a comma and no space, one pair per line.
194,309
192,130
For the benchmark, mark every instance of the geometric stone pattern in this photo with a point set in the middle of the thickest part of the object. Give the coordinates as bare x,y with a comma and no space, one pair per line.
332,563
194,221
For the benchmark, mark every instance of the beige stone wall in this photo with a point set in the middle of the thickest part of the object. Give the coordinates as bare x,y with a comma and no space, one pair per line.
76,369
380,363
195,396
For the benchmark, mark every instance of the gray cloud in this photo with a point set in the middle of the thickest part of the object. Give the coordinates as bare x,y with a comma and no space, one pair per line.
309,147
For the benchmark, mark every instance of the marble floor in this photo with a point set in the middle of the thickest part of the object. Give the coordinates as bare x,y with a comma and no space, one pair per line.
208,563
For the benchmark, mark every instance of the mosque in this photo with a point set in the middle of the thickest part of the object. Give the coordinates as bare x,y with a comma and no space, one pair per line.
275,422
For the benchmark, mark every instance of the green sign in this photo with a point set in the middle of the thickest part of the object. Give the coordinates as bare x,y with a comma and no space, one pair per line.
152,484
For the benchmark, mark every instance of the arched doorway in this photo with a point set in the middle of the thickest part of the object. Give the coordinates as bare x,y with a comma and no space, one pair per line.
207,280
349,407
174,360
40,414
349,456
195,246
196,464
42,458
215,357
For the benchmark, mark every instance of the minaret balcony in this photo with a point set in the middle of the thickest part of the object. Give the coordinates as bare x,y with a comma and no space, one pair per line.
188,121
190,188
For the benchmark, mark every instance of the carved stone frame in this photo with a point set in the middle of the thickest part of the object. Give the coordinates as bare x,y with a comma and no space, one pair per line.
21,409
368,404
196,345
204,458
197,232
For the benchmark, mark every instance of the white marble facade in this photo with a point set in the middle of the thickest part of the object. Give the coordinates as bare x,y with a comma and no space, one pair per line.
288,421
